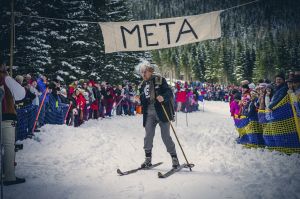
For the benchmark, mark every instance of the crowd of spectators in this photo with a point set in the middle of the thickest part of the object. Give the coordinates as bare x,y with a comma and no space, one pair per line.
250,98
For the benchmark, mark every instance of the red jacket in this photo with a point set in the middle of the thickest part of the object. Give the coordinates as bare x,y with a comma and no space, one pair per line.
181,96
80,101
95,105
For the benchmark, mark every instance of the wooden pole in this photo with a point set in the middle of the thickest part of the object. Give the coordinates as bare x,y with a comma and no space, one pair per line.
12,31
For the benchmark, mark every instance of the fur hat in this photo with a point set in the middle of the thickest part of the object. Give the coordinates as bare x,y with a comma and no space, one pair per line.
19,78
146,65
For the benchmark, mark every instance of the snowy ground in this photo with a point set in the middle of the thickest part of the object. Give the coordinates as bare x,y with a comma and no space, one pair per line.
81,163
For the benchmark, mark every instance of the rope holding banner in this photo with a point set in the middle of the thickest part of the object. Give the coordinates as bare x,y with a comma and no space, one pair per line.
18,14
241,5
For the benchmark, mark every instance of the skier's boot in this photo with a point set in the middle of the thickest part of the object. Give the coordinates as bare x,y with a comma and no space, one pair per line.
147,163
175,162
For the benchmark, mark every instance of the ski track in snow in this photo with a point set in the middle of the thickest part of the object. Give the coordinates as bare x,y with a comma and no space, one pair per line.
81,163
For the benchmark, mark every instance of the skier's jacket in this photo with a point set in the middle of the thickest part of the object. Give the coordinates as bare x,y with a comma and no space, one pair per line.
161,88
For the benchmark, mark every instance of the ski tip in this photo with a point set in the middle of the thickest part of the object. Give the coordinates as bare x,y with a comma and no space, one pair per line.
160,175
119,172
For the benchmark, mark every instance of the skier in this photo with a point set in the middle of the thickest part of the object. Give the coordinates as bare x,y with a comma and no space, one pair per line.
155,93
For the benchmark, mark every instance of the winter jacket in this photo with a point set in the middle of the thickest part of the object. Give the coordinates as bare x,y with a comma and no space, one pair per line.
80,101
181,96
161,88
234,108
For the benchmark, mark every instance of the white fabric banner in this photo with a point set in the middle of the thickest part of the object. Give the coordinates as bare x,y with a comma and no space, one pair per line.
160,33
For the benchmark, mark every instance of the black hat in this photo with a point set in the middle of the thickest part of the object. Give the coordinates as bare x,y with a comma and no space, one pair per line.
237,96
296,78
245,86
280,75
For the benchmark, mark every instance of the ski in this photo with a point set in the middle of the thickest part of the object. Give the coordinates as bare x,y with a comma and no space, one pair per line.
122,173
172,171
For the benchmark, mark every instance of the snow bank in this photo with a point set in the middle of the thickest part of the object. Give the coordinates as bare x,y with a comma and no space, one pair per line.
77,163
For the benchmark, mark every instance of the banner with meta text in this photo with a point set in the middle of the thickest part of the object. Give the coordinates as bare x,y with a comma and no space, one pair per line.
160,33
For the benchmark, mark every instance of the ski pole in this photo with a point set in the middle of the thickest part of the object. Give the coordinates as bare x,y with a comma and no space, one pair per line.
65,120
176,136
186,120
176,117
117,105
38,114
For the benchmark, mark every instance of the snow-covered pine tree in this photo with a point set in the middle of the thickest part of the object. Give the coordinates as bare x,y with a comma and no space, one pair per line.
120,66
239,70
5,31
31,47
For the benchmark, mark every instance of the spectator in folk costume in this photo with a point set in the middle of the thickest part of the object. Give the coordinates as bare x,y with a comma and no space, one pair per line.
154,90
12,91
280,91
